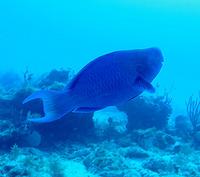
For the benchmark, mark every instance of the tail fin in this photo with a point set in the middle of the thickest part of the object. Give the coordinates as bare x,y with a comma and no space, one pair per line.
56,105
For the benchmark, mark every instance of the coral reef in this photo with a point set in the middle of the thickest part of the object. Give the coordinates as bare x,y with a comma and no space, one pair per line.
183,127
147,112
7,134
33,163
55,80
132,140
188,127
193,111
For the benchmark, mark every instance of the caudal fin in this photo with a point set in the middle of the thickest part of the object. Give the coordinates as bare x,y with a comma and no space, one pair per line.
56,105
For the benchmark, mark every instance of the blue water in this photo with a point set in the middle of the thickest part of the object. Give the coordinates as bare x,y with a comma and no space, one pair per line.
42,35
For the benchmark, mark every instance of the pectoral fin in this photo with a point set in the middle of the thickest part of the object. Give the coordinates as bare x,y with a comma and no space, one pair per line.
141,83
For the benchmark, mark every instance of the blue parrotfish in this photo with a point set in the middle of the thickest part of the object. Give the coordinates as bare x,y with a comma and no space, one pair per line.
109,80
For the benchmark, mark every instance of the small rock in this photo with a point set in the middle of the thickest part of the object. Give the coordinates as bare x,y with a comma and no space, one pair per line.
7,133
163,140
136,152
159,164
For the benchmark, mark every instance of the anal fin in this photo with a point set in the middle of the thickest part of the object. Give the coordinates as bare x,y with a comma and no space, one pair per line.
86,109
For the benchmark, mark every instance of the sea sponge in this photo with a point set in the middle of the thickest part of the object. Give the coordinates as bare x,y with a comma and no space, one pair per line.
110,118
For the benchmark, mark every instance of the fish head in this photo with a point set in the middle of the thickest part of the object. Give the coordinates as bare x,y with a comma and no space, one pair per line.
149,63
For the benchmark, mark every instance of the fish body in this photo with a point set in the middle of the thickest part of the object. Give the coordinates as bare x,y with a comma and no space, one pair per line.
111,79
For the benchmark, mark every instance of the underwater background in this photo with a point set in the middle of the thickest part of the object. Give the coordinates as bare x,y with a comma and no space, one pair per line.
44,43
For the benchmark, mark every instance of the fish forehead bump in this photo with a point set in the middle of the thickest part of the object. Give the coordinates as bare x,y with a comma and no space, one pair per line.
145,56
148,62
155,52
